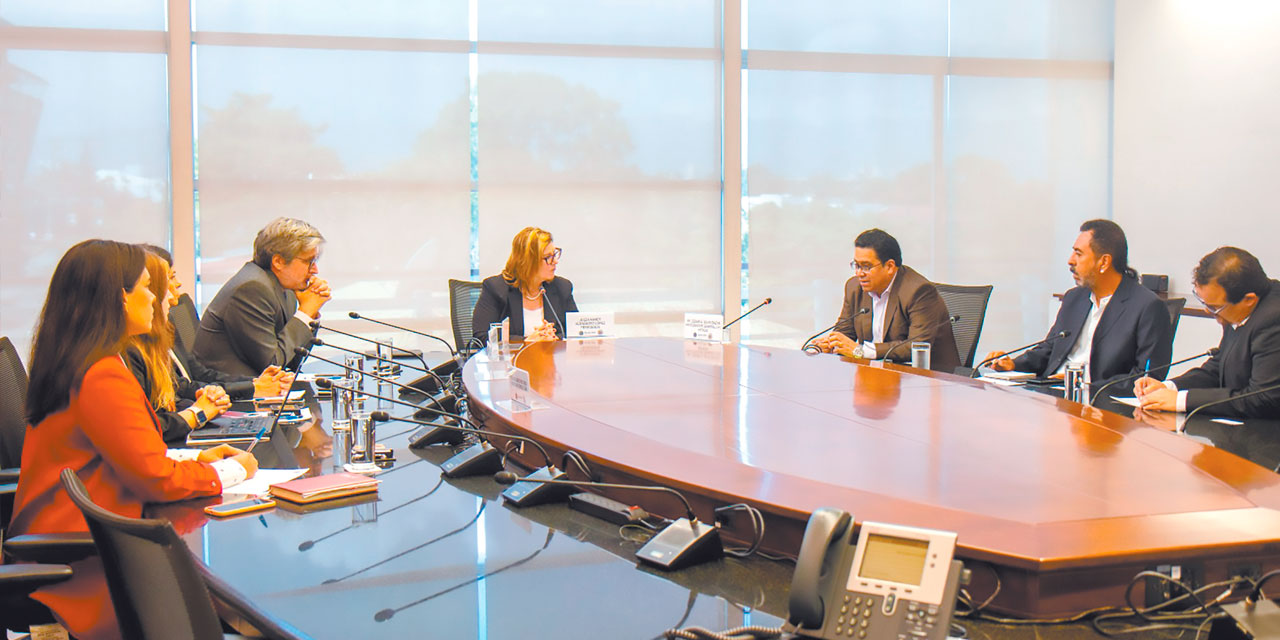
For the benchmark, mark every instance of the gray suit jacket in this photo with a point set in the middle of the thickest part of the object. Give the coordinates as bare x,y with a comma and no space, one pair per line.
250,324
915,313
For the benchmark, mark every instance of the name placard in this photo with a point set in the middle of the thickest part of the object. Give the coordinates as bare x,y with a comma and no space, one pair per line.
521,396
708,327
589,325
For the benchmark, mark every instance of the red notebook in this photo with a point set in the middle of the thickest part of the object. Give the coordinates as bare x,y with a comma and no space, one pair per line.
317,488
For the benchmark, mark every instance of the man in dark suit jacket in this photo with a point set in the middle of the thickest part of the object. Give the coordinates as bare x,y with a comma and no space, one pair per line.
264,312
887,306
1233,287
1113,325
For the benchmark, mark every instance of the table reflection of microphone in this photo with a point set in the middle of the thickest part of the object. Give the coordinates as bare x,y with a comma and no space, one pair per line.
387,614
1061,334
683,543
306,545
406,552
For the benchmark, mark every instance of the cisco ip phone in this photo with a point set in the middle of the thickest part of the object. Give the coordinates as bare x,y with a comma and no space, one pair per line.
882,582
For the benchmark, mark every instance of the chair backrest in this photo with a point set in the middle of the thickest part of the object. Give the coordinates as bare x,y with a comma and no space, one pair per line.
185,323
13,405
1175,313
463,295
156,589
968,308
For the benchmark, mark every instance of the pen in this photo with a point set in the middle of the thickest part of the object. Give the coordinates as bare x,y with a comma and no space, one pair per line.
255,440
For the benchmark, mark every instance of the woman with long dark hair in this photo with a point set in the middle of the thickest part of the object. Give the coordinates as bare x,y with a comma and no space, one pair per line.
86,412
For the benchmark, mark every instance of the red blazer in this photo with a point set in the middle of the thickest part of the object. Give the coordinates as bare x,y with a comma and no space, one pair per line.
111,437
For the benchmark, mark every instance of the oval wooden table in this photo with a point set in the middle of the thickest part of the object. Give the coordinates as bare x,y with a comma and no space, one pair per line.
1060,503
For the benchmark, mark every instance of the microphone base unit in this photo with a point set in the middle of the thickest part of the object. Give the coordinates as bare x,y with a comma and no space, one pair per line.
478,459
682,544
528,494
428,384
447,404
430,435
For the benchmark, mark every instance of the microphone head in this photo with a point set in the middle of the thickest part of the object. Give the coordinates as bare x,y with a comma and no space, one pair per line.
380,416
300,351
353,315
864,310
768,300
505,478
305,545
323,383
317,342
1213,352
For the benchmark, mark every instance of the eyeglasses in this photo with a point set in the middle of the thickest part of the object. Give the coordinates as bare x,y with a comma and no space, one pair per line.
553,257
863,267
1214,311
310,263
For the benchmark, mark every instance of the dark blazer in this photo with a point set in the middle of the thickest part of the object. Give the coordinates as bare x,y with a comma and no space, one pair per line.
250,325
198,376
173,427
1248,359
1134,329
915,313
498,299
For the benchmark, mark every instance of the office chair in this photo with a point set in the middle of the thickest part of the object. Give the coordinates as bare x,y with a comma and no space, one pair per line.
185,323
463,295
1175,306
13,425
968,305
157,589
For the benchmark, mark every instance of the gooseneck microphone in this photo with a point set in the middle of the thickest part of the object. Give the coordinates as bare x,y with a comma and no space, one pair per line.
431,374
564,333
1057,336
808,344
1210,353
436,404
1274,387
749,312
389,347
683,543
355,316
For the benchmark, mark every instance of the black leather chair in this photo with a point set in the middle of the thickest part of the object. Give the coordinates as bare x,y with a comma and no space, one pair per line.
968,308
13,425
185,323
1175,306
463,295
157,588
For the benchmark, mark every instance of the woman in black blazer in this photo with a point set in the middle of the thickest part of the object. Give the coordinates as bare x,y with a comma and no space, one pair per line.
528,287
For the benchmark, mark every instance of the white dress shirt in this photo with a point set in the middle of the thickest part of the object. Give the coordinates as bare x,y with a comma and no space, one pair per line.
1083,347
879,309
230,472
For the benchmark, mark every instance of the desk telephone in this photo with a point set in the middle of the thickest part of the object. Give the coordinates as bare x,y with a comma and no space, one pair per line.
887,582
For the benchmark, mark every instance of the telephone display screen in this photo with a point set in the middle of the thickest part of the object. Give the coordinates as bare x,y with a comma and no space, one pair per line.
894,559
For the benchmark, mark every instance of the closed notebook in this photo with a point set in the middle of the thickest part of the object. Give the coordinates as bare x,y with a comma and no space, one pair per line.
317,488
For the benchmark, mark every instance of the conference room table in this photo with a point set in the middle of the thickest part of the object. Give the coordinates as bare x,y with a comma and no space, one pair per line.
436,557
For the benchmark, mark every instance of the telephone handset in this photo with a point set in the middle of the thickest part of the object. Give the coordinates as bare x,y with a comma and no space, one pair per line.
879,582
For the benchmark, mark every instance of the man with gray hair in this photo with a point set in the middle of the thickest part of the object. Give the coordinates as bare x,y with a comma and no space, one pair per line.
265,311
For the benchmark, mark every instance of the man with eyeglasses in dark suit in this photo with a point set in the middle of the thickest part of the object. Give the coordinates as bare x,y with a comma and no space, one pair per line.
1232,286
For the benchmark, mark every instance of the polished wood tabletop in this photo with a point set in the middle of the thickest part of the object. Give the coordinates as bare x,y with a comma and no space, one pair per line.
1063,501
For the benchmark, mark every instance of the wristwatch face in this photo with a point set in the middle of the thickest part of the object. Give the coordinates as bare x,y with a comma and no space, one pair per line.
201,418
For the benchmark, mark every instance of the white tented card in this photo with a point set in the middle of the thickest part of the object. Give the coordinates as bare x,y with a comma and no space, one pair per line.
521,395
708,327
53,631
697,351
598,350
589,325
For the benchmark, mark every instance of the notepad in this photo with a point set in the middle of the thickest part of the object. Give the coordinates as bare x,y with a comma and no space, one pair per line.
1009,375
318,488
261,481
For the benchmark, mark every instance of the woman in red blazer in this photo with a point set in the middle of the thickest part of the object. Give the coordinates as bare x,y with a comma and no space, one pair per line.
86,411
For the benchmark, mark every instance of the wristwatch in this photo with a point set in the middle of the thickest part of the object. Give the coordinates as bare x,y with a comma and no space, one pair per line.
201,418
